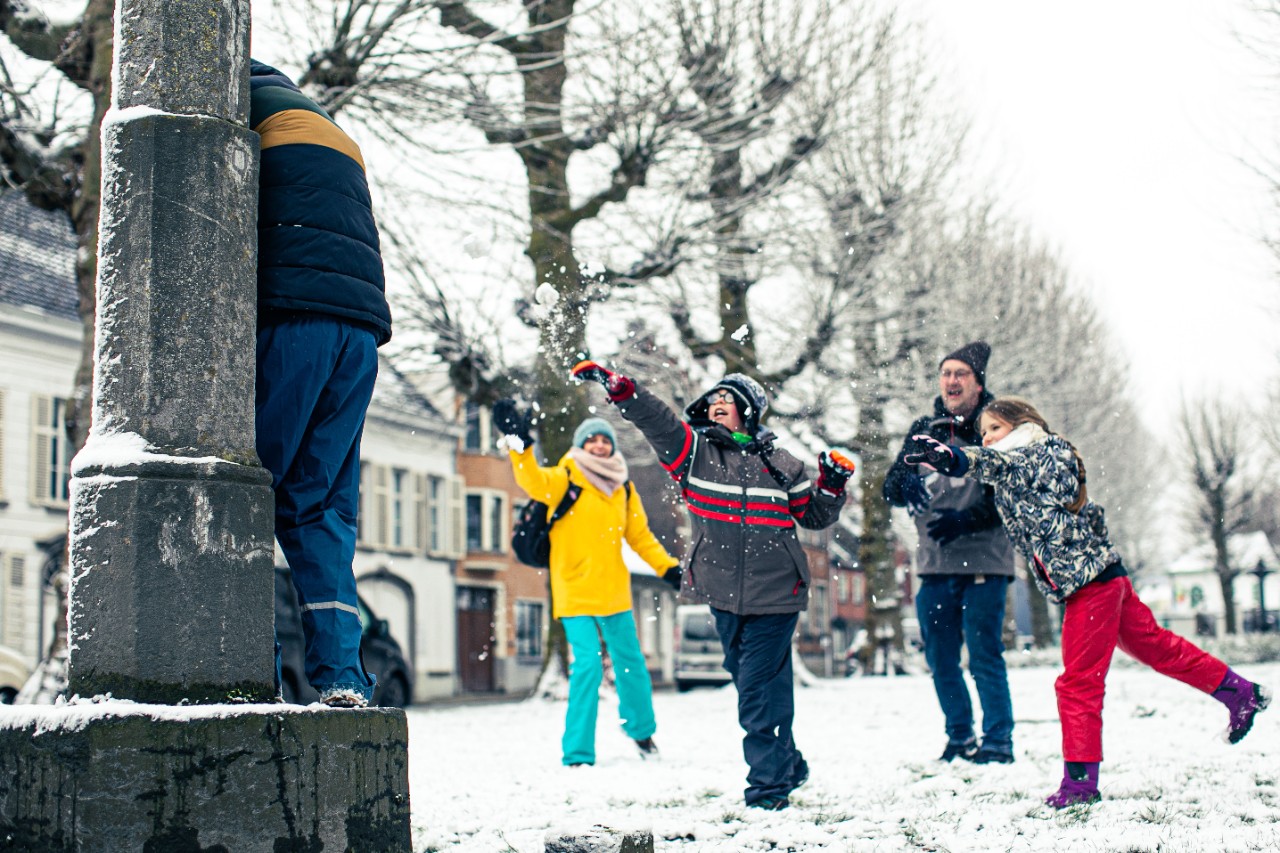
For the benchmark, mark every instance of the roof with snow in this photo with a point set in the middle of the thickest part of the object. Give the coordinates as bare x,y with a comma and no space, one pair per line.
37,257
1245,550
395,395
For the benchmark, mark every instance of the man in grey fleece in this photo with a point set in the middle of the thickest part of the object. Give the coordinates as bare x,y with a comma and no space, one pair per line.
965,563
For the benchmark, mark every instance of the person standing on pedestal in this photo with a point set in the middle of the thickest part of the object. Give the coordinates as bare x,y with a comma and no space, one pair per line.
322,314
965,564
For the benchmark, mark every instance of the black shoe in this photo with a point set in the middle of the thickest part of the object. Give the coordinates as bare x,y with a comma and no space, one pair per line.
967,750
992,756
770,804
648,749
578,764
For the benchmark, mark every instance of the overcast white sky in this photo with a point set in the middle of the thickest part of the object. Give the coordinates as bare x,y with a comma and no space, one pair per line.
1116,130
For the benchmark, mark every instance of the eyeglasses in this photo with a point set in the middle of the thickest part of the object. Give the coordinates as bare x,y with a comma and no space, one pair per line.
720,396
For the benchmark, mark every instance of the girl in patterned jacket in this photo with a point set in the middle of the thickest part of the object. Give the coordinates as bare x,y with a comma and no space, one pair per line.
1039,481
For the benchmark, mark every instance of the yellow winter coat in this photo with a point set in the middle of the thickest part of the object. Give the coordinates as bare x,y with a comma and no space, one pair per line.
588,576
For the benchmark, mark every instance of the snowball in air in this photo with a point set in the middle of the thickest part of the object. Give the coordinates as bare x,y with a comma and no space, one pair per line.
546,294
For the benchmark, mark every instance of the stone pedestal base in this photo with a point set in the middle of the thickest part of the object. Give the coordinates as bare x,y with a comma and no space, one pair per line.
115,777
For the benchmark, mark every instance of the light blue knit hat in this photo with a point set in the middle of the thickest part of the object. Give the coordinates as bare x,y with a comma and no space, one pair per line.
594,426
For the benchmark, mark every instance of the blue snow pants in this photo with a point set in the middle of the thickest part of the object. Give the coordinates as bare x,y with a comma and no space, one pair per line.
315,380
635,692
757,653
957,610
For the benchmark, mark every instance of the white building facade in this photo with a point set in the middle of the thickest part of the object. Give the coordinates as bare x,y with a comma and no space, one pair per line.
40,335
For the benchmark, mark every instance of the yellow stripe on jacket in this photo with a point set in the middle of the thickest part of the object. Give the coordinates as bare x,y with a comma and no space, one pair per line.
588,575
303,127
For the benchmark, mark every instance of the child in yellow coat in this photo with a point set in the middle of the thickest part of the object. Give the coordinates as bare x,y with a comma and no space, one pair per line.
590,583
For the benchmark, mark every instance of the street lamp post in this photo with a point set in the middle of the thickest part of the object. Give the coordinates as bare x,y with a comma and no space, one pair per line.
1260,572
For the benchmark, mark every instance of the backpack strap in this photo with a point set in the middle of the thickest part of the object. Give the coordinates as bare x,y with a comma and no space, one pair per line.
571,496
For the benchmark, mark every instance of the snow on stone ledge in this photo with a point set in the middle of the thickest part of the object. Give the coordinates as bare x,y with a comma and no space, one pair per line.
127,448
77,713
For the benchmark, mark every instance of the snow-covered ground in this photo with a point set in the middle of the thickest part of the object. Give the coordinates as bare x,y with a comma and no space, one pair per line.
488,778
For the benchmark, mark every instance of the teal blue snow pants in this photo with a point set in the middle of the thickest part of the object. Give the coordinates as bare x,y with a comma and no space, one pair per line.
635,692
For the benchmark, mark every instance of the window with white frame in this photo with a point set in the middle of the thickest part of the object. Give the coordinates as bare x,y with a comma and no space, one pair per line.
529,629
479,433
819,608
435,532
403,511
859,587
842,587
3,393
50,453
14,585
496,535
475,521
400,509
487,513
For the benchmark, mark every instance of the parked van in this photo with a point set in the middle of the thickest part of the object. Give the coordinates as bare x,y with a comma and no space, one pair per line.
699,657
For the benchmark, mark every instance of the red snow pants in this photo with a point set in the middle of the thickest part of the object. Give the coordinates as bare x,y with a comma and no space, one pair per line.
1099,617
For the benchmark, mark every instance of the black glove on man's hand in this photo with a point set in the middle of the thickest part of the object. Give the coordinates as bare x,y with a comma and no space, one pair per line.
511,421
948,525
943,458
915,494
834,471
619,388
673,576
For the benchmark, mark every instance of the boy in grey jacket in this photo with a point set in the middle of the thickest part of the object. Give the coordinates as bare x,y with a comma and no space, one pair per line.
745,498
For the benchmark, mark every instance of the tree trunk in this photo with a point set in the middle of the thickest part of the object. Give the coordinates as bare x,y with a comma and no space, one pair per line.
98,31
562,336
1227,577
875,552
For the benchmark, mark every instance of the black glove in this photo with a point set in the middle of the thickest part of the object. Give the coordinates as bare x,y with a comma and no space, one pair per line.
511,421
915,494
943,458
948,525
673,576
834,471
619,388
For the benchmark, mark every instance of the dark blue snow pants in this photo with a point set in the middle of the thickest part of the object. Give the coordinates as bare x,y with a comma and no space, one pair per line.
315,380
757,653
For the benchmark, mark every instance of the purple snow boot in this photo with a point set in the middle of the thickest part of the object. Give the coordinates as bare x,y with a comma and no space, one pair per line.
1244,700
1079,785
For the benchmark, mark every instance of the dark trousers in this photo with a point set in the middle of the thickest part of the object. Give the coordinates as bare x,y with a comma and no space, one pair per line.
315,380
957,610
757,653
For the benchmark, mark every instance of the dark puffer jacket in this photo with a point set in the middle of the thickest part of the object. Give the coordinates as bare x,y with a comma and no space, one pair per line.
745,556
1033,484
986,550
318,248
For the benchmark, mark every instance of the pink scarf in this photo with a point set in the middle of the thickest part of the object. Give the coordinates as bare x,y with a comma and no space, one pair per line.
606,473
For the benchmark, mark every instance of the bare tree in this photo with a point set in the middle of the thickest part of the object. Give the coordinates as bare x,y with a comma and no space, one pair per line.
49,149
876,184
1216,441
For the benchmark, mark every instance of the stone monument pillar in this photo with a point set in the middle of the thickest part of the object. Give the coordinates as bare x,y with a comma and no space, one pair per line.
171,532
171,523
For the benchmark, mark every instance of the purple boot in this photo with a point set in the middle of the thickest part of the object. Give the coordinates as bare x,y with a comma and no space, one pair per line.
1244,700
1079,785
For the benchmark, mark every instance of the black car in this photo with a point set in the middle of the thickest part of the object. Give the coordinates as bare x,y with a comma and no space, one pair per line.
381,653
